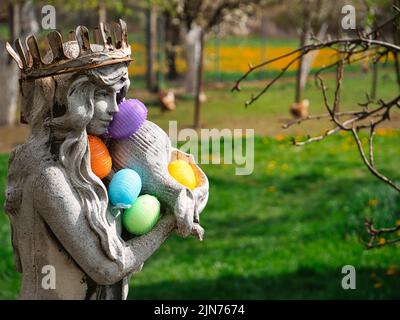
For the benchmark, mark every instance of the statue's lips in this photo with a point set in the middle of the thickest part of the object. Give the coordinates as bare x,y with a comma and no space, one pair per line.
106,120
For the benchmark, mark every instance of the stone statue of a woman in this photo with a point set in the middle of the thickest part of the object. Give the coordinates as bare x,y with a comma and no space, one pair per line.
58,207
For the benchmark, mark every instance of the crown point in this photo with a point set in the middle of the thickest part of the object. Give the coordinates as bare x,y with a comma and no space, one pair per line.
56,45
106,36
21,52
14,55
124,30
118,35
82,36
24,58
34,51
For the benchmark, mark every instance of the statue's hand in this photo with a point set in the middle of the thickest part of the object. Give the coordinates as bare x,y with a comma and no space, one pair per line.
187,222
194,229
198,231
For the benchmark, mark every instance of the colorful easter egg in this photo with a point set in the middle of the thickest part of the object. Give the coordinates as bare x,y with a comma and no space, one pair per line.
100,159
142,216
130,117
182,172
124,188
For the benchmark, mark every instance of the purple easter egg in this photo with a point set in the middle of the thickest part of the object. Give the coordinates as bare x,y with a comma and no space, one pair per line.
130,117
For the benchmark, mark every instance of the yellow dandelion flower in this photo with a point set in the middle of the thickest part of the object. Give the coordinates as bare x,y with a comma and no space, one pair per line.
373,202
271,189
391,271
284,166
236,59
271,165
381,132
377,285
382,241
280,137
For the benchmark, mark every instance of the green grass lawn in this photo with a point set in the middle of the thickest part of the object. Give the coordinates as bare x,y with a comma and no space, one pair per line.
283,232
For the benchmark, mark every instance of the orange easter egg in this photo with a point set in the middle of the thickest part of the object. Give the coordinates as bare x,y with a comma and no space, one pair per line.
100,159
182,172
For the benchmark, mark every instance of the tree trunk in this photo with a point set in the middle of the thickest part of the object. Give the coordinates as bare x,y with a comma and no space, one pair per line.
192,55
264,33
397,67
22,21
14,22
305,32
310,57
374,80
217,67
172,40
199,82
102,11
396,41
9,71
8,89
151,45
160,53
29,23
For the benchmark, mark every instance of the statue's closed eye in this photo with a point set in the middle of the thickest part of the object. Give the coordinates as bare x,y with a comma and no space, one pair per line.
101,93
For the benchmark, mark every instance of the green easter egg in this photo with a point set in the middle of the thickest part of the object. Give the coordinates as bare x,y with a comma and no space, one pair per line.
142,216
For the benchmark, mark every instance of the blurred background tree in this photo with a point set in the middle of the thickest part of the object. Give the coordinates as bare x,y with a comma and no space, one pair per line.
21,22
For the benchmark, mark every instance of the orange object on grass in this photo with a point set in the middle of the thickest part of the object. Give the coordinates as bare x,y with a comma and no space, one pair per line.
100,159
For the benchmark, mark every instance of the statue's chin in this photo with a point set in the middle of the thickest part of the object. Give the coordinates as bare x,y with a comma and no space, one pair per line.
97,130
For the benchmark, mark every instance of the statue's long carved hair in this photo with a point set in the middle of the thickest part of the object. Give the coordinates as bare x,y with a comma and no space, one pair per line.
59,132
75,158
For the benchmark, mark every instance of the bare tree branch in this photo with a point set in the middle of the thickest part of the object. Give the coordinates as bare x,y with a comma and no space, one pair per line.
370,167
374,233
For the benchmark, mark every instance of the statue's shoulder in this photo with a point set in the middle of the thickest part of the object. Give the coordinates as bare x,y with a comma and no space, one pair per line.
24,165
28,158
52,188
51,175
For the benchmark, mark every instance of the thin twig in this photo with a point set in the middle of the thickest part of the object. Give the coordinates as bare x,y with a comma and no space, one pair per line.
369,166
258,95
371,146
375,232
319,117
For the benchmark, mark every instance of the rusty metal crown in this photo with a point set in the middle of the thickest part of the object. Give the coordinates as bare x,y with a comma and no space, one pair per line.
32,65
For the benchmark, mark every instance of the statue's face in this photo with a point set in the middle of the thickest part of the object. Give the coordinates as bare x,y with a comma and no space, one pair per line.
106,99
105,105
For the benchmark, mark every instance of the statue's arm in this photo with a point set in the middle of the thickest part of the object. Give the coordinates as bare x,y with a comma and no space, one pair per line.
59,207
144,246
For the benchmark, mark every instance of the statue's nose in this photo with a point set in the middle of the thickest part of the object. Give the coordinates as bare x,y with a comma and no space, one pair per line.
113,108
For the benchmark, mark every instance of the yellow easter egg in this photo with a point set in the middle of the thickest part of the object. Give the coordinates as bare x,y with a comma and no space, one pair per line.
182,172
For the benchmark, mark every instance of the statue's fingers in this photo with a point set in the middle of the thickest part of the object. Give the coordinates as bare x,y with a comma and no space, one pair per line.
198,231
